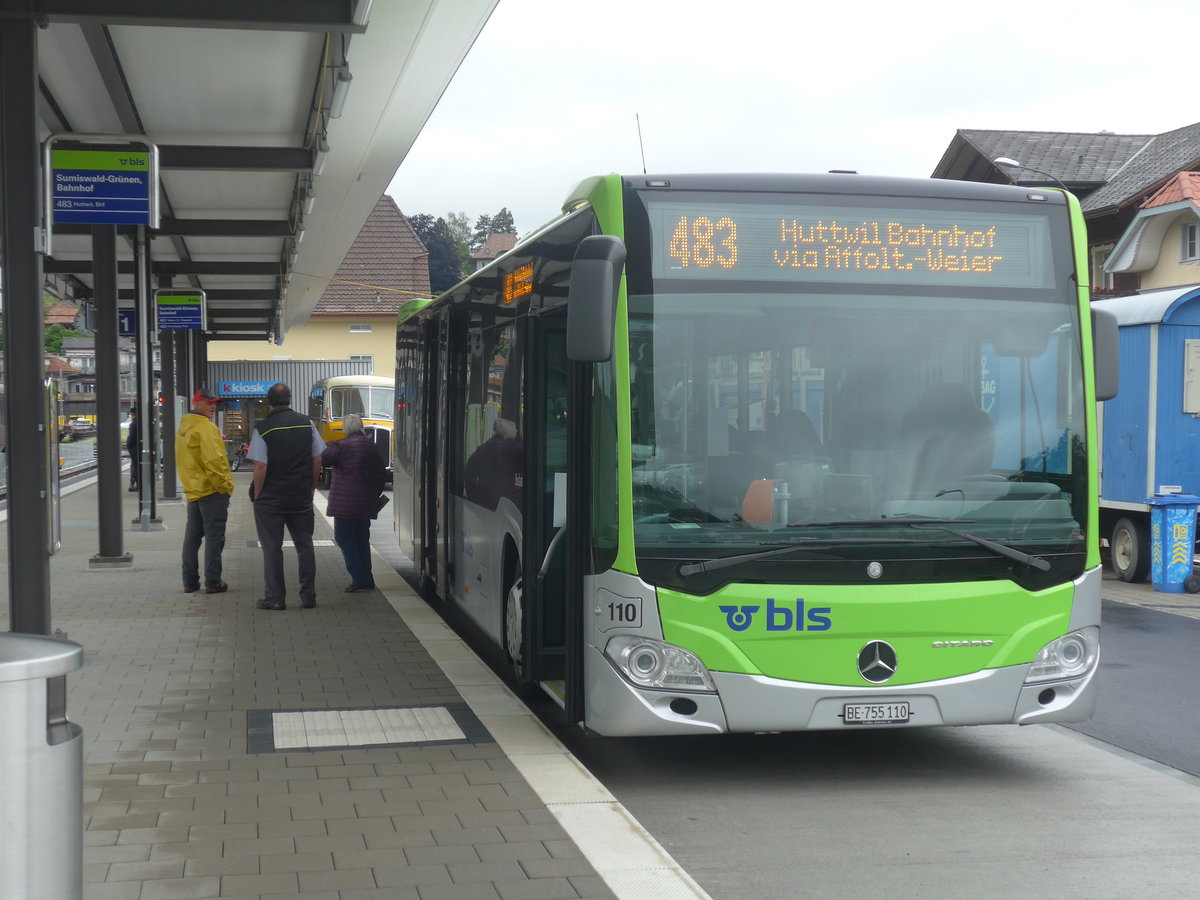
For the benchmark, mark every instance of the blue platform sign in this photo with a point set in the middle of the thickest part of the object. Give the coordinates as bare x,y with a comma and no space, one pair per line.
101,187
126,322
180,310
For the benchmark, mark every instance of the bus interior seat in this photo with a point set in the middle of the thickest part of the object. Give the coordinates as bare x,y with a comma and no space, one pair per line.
946,437
792,434
729,475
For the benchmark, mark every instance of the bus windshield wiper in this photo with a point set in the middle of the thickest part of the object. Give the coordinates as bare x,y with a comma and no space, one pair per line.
1034,562
712,565
917,523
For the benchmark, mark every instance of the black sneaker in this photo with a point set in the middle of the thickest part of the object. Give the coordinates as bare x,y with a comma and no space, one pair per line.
269,604
308,604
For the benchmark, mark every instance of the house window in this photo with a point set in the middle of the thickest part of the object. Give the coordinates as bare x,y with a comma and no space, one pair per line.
363,357
360,329
1191,241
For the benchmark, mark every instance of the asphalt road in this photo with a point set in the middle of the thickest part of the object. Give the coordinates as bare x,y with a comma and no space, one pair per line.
1149,686
826,813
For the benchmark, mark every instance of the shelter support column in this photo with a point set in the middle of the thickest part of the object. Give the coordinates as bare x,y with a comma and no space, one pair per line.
26,425
146,519
108,401
166,345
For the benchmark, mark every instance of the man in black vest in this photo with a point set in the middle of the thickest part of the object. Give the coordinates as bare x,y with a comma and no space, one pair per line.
286,452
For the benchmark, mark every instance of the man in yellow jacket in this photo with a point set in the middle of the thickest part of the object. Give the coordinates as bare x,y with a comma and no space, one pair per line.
208,484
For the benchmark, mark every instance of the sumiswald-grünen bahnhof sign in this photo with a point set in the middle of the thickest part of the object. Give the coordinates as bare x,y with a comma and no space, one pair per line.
101,187
180,310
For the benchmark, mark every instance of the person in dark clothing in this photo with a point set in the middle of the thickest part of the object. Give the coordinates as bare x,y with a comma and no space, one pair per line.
497,468
286,452
358,478
133,444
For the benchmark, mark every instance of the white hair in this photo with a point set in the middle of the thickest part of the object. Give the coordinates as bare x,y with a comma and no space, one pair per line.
352,423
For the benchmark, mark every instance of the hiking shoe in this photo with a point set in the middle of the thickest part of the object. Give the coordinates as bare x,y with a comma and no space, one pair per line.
269,604
217,589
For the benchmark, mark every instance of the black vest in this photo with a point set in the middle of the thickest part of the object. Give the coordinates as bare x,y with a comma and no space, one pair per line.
288,486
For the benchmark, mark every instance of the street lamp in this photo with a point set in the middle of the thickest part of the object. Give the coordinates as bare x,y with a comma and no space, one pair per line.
1005,162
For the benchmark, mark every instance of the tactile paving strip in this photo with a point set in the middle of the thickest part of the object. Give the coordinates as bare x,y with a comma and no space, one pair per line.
271,731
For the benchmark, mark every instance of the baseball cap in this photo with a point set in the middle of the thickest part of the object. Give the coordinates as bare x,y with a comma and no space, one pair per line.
205,394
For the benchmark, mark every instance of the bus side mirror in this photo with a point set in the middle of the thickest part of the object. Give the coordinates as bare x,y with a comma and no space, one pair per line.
1105,353
592,301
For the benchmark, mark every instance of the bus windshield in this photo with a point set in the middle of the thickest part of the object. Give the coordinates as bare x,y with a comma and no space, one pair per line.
368,402
760,405
754,412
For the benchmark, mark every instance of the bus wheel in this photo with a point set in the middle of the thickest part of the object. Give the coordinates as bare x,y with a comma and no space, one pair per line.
514,620
1130,551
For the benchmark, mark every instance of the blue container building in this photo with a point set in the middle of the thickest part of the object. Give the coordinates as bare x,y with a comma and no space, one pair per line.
1150,432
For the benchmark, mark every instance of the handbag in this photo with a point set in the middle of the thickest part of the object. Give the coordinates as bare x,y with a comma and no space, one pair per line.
380,502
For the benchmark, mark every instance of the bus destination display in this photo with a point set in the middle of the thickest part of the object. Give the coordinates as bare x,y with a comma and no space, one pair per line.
849,244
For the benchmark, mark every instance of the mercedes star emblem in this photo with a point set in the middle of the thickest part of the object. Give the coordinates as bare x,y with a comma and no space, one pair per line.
877,661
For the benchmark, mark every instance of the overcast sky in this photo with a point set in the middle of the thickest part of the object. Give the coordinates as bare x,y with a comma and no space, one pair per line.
552,90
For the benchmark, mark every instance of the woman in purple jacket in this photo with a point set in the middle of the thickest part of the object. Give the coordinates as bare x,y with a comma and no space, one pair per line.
358,478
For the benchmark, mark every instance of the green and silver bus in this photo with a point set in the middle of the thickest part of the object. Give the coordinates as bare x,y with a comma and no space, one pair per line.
741,453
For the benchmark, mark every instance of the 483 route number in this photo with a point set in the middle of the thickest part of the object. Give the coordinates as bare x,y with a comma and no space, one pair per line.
698,241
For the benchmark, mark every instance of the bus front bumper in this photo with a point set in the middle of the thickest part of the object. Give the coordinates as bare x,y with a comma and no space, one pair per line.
752,703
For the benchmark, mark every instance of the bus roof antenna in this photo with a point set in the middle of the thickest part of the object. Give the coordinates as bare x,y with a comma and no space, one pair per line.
641,147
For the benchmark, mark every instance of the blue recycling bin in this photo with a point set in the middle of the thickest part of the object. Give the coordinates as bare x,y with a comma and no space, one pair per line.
1172,540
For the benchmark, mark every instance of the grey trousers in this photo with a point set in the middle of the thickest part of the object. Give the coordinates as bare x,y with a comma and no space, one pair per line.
270,524
206,520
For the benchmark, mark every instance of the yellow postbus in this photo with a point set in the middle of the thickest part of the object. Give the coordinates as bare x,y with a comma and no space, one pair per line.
371,396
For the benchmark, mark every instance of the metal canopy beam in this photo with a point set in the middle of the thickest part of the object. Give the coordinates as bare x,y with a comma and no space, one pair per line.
240,313
276,15
244,159
227,295
171,226
186,267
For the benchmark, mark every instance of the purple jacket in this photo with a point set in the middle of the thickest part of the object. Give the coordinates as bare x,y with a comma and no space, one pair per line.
358,477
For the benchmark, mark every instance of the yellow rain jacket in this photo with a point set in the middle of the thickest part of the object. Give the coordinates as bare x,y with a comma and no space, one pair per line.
200,458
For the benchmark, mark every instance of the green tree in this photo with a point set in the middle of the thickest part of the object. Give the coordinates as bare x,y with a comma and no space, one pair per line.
460,231
53,337
501,223
444,265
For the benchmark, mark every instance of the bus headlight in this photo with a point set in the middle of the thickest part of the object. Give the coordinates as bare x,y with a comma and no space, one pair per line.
658,665
1070,656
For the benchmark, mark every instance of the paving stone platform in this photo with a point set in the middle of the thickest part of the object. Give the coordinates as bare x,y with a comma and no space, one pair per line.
410,772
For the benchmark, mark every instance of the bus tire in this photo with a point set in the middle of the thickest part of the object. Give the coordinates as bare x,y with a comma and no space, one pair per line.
1191,584
1130,549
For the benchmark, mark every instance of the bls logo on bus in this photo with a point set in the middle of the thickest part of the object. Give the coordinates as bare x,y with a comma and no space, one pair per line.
779,617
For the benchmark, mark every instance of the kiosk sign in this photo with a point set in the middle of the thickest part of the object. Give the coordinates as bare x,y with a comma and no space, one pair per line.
180,310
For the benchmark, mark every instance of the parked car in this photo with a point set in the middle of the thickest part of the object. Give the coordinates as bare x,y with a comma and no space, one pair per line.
81,427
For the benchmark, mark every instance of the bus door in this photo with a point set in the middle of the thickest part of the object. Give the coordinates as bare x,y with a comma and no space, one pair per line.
437,510
545,458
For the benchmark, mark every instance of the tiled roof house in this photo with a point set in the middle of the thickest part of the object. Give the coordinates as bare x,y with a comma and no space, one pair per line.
387,255
64,313
1114,175
355,319
494,247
